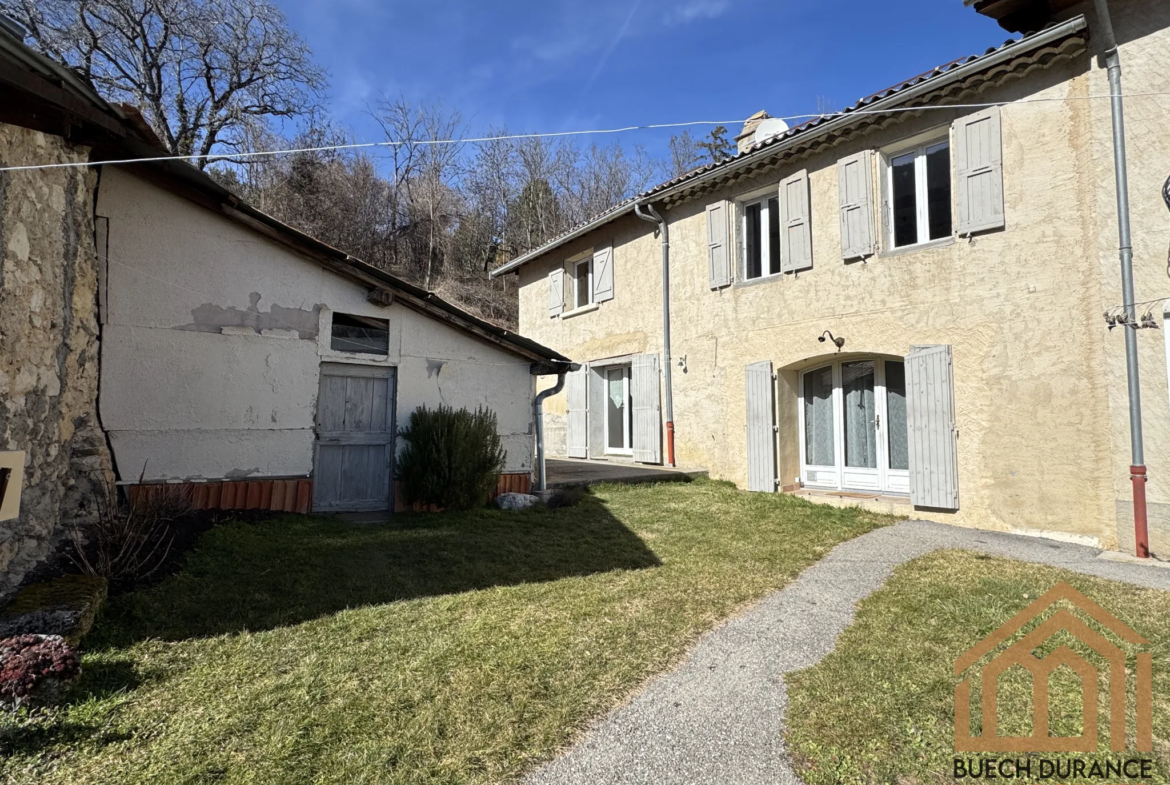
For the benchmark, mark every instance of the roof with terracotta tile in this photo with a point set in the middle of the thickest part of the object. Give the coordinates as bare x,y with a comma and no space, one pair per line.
878,102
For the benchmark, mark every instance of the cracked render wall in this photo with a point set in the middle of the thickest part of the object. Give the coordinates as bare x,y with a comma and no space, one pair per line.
48,345
215,335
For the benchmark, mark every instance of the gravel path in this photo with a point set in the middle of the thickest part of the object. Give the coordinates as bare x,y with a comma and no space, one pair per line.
718,718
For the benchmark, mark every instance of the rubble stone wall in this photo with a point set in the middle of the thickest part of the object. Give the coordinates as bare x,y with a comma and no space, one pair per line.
48,345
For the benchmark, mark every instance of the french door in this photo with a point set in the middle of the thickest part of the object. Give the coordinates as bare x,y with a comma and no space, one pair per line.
853,427
619,411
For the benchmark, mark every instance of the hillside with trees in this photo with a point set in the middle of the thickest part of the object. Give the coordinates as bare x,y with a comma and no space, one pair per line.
218,79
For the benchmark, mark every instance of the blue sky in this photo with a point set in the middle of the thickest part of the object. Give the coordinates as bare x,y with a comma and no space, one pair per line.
561,65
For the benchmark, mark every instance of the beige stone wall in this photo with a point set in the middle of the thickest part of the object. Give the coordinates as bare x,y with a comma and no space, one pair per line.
48,344
1039,389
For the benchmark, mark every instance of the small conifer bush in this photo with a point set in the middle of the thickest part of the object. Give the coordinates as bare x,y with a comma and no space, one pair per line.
452,457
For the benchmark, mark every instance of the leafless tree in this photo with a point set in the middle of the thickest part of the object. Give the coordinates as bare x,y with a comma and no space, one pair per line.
435,187
203,72
685,154
401,125
600,177
337,196
210,76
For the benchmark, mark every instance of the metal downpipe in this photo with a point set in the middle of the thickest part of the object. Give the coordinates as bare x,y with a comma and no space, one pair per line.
655,218
1137,469
542,471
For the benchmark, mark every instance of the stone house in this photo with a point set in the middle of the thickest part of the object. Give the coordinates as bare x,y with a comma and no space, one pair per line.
899,305
156,329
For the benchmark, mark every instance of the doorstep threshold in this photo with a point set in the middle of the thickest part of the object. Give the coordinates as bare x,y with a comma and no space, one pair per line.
817,493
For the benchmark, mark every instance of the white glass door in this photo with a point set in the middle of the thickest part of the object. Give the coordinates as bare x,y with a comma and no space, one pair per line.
819,428
859,424
619,411
853,427
892,432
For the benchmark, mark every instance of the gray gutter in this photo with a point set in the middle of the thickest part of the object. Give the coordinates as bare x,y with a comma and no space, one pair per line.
625,208
1036,41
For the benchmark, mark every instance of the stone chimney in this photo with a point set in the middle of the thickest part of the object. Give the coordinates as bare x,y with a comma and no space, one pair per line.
746,137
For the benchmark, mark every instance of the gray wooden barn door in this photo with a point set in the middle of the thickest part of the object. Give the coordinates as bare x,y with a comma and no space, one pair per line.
355,439
761,428
931,430
647,436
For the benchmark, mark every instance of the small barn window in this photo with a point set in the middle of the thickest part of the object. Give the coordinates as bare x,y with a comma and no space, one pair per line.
360,334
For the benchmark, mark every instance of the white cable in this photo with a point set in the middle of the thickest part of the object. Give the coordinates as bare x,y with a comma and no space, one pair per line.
557,134
363,145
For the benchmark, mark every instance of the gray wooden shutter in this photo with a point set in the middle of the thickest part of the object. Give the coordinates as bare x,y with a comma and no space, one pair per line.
647,434
761,428
577,392
795,224
556,291
718,247
930,424
855,176
603,274
885,209
979,172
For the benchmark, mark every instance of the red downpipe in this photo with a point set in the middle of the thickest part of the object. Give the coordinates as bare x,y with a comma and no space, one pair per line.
670,443
1141,533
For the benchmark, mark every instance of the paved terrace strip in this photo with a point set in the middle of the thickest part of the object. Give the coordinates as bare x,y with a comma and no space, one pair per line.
719,716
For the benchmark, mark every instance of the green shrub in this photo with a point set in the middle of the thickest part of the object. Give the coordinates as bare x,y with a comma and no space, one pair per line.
452,457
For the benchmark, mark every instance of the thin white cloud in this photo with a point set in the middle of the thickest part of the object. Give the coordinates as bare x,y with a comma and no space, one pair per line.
609,50
697,10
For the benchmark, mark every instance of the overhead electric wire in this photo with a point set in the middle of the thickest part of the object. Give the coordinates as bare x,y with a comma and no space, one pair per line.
230,157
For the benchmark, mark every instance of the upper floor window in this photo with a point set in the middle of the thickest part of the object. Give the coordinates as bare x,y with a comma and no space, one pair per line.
580,282
761,238
920,195
583,283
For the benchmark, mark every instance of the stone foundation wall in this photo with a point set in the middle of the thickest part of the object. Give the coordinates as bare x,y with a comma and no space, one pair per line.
48,345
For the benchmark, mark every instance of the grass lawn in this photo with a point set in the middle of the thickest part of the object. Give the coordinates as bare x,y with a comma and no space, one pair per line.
880,708
455,648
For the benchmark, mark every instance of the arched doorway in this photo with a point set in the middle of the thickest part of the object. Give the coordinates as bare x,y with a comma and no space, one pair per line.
852,415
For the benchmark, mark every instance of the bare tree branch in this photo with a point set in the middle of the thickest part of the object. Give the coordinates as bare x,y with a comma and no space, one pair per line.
201,71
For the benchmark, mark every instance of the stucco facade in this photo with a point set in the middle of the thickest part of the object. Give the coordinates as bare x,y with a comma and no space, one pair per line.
49,340
1039,382
215,336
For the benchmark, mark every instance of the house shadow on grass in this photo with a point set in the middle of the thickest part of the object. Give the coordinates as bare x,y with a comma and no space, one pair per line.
291,569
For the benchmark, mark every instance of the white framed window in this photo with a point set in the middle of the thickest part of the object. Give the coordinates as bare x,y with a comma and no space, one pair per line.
619,410
853,428
761,237
583,283
919,197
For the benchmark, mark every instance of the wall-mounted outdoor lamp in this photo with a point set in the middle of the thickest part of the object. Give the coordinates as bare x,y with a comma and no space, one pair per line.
838,342
11,480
